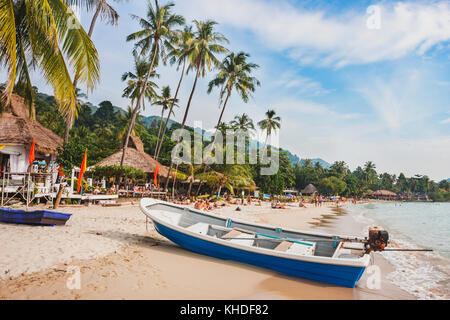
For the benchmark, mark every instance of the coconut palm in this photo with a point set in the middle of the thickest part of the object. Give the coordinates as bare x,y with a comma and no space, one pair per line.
164,101
125,122
156,34
180,47
230,177
107,13
243,122
234,73
369,172
135,86
46,35
203,48
270,124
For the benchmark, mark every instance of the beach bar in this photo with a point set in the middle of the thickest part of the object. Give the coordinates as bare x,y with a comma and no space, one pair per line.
136,157
17,132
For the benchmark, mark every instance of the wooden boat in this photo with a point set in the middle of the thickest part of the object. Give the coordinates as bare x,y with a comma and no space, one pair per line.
334,259
41,217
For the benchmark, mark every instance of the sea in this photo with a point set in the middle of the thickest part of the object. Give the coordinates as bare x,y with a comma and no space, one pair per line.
426,275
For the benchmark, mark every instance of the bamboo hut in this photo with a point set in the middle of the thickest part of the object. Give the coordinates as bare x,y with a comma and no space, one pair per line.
309,189
134,157
17,132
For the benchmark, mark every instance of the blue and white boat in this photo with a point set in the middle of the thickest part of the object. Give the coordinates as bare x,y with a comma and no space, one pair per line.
334,259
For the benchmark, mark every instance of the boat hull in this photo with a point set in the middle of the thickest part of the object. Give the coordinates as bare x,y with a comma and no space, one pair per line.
41,217
346,276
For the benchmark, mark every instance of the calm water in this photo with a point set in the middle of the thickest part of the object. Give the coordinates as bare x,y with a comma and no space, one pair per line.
412,225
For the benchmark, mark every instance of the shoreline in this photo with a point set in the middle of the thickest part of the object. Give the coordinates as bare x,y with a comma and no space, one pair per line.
425,275
118,259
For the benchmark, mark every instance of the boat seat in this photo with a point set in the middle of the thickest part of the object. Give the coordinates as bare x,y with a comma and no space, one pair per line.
242,234
296,248
283,246
200,228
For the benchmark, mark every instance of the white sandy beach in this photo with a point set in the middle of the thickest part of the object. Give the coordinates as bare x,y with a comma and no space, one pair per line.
119,259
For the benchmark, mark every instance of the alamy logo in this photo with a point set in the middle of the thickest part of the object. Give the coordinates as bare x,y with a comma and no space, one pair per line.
74,17
374,279
74,280
373,22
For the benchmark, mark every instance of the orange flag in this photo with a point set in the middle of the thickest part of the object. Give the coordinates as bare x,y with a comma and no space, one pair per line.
155,176
32,156
82,171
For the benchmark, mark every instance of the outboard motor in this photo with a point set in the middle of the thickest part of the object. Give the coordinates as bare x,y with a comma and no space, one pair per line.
378,239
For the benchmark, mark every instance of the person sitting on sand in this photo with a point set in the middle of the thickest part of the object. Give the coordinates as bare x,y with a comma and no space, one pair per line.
301,204
238,209
208,206
259,203
198,205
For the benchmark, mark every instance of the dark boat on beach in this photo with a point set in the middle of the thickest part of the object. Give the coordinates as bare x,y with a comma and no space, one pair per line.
40,217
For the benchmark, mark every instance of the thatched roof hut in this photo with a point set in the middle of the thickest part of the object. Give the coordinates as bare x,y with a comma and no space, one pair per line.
134,157
384,193
16,128
309,189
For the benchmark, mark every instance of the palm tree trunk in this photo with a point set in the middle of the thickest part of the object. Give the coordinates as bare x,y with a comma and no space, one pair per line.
70,121
170,112
136,110
69,124
215,135
94,19
150,69
185,116
159,131
130,129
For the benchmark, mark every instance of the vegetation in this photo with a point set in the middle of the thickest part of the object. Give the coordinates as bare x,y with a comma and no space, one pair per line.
39,34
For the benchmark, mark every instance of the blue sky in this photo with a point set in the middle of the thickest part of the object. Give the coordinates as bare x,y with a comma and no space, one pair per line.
344,91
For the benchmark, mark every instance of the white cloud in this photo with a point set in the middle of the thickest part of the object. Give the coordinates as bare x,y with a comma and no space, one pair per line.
303,85
446,121
339,40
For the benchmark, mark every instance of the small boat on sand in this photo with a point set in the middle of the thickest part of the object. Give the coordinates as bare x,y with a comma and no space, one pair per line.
41,217
328,258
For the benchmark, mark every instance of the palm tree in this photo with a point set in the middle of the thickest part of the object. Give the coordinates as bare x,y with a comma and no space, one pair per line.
125,121
244,123
106,12
369,171
156,34
234,73
203,47
40,34
178,55
164,101
341,168
270,124
135,86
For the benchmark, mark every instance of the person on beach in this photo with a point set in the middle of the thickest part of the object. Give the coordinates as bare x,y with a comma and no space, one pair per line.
249,200
301,204
97,190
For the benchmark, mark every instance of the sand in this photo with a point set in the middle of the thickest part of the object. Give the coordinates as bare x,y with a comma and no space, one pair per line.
118,256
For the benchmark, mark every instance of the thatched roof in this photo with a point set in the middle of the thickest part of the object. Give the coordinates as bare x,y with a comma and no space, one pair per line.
134,157
17,128
309,189
384,193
